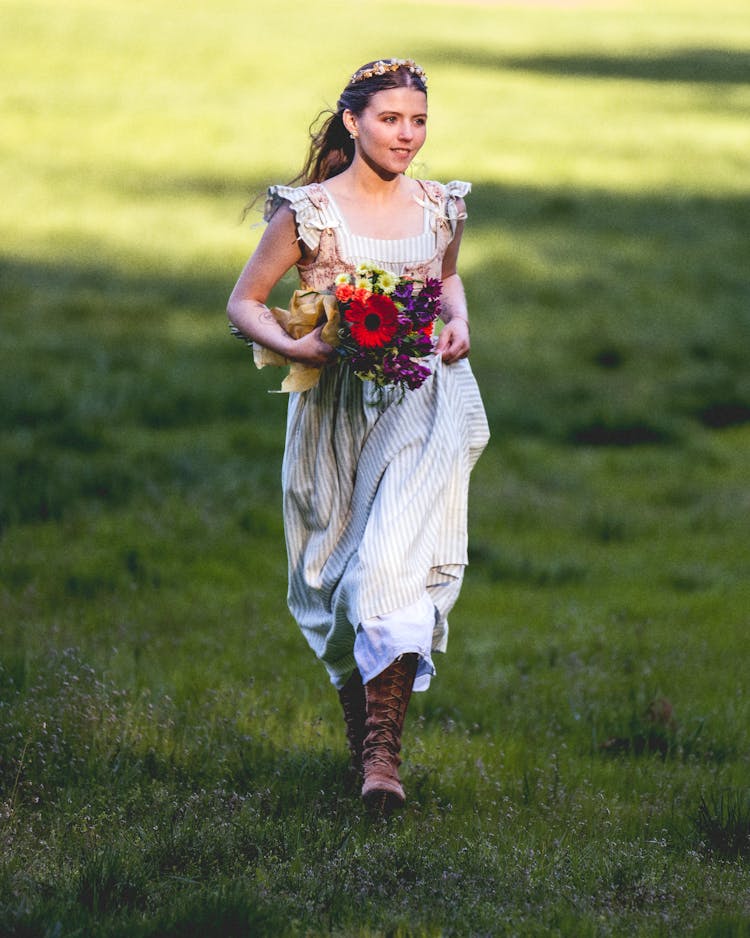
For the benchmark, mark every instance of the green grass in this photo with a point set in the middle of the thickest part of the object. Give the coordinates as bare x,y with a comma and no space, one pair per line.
171,758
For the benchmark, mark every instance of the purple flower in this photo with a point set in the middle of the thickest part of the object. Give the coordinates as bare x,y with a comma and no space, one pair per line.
421,344
432,287
402,370
403,291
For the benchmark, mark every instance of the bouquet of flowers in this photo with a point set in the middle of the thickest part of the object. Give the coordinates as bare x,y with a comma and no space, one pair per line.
386,325
380,325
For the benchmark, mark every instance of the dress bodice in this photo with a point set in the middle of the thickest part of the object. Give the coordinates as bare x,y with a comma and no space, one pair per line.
322,228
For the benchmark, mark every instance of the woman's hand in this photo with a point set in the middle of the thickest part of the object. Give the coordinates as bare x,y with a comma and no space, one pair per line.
312,350
454,342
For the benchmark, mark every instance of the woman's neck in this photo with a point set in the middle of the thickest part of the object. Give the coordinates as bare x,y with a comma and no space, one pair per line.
359,181
377,207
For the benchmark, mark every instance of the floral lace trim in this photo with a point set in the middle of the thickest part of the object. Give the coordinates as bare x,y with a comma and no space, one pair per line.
442,202
310,207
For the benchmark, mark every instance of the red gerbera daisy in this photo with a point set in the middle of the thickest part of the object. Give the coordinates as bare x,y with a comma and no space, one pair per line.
373,323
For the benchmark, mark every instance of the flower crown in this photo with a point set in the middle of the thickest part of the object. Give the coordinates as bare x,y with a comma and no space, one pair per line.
389,65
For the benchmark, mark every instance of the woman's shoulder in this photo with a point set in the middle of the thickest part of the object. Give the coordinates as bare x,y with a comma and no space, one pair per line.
442,191
311,196
446,201
310,205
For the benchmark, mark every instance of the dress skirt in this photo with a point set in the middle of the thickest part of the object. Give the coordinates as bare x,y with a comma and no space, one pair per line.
375,489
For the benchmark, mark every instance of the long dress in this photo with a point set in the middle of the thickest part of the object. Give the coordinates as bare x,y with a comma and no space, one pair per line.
375,487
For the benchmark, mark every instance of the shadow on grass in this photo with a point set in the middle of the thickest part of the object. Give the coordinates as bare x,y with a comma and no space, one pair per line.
723,823
619,318
707,65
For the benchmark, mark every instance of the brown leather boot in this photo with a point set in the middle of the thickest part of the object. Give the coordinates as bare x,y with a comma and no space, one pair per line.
352,697
387,697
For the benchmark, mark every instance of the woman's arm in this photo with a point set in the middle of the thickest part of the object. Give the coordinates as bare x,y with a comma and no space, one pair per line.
454,342
277,251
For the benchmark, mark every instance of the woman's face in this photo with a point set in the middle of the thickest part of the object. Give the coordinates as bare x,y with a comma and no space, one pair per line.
391,129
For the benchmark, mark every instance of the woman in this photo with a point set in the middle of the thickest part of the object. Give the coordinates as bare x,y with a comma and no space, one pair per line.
375,482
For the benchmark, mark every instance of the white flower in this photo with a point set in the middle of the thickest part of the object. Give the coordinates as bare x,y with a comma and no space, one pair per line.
387,281
368,269
341,280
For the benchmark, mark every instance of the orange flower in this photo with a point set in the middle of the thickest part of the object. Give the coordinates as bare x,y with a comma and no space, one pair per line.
373,323
344,292
362,295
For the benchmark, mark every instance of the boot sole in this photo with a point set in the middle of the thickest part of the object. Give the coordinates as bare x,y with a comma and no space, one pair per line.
382,803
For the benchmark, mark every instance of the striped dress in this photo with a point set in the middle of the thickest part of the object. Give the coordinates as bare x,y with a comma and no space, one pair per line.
375,487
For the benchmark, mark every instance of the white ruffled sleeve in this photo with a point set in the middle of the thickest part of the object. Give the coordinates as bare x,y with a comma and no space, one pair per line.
453,191
310,209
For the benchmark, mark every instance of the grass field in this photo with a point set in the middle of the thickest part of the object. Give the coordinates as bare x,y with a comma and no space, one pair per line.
171,757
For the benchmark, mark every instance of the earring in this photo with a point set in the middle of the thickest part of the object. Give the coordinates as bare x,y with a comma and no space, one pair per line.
354,136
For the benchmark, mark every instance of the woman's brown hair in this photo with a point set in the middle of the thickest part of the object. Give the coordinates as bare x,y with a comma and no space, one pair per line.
331,148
